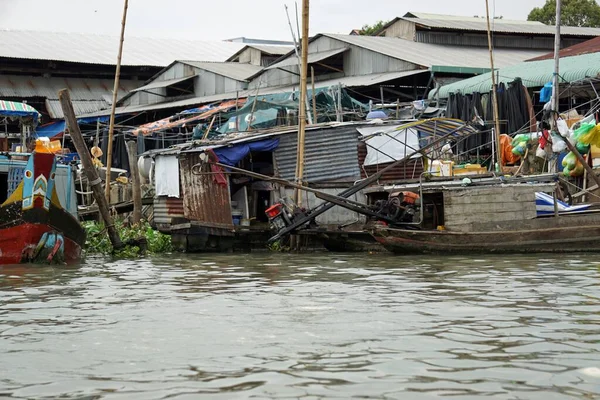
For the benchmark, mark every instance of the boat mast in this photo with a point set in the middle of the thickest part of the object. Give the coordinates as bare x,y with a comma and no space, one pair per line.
494,90
302,101
111,126
555,93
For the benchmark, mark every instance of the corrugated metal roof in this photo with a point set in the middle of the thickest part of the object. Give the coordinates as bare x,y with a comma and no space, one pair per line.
312,58
88,95
587,47
80,106
429,55
499,26
273,50
446,17
162,84
349,81
533,74
102,49
233,70
330,155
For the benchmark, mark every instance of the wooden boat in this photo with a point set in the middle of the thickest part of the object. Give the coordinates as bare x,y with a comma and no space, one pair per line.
34,225
492,219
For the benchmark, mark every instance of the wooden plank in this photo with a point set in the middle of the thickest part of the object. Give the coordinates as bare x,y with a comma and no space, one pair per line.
515,216
591,188
487,199
484,209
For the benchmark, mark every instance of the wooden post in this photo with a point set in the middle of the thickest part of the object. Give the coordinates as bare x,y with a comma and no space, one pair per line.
314,96
555,201
135,182
302,101
111,126
494,91
90,171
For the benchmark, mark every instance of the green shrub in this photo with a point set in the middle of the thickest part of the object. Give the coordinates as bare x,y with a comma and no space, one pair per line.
97,241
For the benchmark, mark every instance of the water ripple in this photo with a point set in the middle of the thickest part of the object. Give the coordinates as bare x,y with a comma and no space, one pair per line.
303,326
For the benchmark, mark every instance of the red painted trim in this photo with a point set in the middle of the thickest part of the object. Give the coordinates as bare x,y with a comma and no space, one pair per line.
13,241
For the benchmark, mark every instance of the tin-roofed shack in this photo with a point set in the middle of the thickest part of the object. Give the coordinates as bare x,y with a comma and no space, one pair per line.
206,209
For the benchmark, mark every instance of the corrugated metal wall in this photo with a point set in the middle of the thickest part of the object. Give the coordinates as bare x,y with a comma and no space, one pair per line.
166,211
330,155
401,29
357,61
501,41
204,200
409,170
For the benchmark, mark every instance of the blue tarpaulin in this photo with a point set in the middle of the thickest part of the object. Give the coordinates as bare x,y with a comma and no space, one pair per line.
51,130
234,154
57,128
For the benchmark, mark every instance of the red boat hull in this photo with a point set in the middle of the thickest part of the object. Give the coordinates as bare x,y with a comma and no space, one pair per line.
15,241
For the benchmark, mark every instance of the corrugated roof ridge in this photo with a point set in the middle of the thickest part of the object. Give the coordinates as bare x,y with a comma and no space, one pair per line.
452,17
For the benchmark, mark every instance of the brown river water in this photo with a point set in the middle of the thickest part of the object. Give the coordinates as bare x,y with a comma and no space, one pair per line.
283,326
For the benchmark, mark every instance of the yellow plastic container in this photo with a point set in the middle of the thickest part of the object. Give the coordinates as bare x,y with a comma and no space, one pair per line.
46,146
441,168
471,169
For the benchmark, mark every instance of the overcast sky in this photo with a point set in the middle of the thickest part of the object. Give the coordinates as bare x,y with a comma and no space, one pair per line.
217,20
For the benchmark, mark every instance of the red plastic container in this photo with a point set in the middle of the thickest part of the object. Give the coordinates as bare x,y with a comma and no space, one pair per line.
274,210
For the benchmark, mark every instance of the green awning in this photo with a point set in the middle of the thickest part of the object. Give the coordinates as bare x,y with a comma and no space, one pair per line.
534,74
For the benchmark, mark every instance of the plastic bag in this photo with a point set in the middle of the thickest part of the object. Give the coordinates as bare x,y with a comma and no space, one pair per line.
566,172
577,171
583,130
546,93
519,149
562,127
539,152
582,148
592,136
558,144
521,138
570,161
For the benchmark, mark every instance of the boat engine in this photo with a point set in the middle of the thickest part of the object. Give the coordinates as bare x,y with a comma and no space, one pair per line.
400,206
281,215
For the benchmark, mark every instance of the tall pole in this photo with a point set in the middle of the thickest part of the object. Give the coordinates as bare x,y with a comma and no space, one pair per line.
302,101
494,90
555,93
111,126
314,95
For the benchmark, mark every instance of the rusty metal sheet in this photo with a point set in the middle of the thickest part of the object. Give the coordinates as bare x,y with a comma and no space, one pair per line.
204,200
167,211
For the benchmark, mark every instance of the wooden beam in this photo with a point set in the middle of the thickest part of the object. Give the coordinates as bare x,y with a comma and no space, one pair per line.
88,167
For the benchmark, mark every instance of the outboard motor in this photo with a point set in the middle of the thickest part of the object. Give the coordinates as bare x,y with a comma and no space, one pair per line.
400,206
281,215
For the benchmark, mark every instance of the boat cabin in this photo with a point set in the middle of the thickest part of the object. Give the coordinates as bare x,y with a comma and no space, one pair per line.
12,167
478,203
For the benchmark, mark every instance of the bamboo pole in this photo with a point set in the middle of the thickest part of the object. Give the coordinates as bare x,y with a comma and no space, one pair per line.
314,96
494,89
212,121
135,181
88,167
111,126
302,101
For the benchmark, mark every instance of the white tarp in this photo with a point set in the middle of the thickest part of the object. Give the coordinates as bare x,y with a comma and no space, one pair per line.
389,147
166,176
